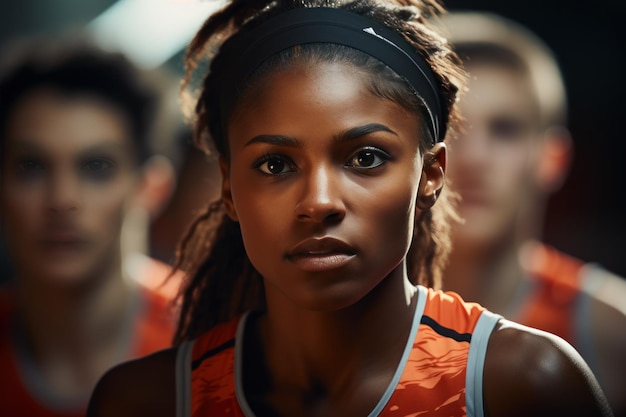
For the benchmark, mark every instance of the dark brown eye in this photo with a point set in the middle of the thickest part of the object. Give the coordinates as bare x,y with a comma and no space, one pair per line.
508,128
368,158
98,169
274,165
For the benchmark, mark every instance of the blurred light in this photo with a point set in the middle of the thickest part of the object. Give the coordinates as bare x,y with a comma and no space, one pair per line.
151,31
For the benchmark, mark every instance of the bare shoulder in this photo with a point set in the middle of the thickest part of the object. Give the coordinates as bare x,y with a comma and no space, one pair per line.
144,386
530,372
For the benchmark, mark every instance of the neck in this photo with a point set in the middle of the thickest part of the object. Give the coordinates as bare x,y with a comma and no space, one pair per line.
342,345
70,314
72,333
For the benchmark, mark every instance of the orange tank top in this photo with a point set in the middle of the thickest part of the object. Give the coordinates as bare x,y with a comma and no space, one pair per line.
439,374
551,302
151,326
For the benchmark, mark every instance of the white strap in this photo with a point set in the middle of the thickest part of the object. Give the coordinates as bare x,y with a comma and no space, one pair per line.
183,379
476,363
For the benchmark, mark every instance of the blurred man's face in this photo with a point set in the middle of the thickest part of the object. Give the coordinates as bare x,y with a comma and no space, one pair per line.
68,174
493,160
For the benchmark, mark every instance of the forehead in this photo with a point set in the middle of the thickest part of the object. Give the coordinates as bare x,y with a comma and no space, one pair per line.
50,120
496,89
316,100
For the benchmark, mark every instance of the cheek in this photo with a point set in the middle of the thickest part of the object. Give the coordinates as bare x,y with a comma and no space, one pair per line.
514,175
104,207
21,207
263,218
512,158
402,213
389,214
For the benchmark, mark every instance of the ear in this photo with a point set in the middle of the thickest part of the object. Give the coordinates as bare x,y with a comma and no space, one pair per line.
433,176
227,196
554,159
158,181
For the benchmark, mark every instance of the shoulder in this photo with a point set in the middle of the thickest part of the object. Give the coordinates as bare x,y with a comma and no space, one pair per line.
531,372
144,386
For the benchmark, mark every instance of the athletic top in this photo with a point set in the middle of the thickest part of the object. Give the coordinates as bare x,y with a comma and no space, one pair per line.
439,374
22,393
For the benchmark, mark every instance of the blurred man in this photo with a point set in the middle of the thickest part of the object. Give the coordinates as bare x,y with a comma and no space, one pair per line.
75,161
513,151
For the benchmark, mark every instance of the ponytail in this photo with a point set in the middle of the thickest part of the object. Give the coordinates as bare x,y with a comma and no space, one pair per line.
221,282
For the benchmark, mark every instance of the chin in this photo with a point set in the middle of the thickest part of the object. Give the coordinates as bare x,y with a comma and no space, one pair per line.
66,275
335,298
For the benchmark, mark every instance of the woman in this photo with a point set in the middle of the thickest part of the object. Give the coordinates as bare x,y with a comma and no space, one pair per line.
302,297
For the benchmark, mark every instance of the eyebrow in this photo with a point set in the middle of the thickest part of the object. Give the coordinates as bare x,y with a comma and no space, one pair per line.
350,134
30,146
280,140
359,131
104,148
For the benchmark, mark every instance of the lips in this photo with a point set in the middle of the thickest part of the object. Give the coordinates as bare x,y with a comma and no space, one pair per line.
319,254
64,240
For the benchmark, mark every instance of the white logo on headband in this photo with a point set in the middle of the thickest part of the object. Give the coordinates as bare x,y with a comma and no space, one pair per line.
371,31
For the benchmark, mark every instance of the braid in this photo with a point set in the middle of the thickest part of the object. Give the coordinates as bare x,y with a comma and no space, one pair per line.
221,282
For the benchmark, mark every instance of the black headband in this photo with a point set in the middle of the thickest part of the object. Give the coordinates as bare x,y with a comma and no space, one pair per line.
250,48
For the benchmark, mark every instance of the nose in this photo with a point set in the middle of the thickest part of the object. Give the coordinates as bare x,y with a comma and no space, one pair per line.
63,193
322,198
471,149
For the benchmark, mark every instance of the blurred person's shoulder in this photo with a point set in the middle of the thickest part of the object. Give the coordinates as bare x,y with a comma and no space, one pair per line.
587,304
155,320
571,277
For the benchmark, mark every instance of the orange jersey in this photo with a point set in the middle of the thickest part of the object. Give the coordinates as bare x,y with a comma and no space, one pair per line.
553,298
21,391
440,372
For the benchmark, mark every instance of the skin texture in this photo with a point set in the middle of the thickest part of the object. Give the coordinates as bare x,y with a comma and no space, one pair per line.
314,180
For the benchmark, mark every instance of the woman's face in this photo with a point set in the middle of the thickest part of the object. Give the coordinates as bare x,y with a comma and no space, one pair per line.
67,175
323,178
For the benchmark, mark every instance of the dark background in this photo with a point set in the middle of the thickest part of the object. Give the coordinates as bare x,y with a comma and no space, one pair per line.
586,217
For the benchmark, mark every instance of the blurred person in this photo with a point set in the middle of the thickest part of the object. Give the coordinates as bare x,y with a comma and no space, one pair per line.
76,167
514,151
